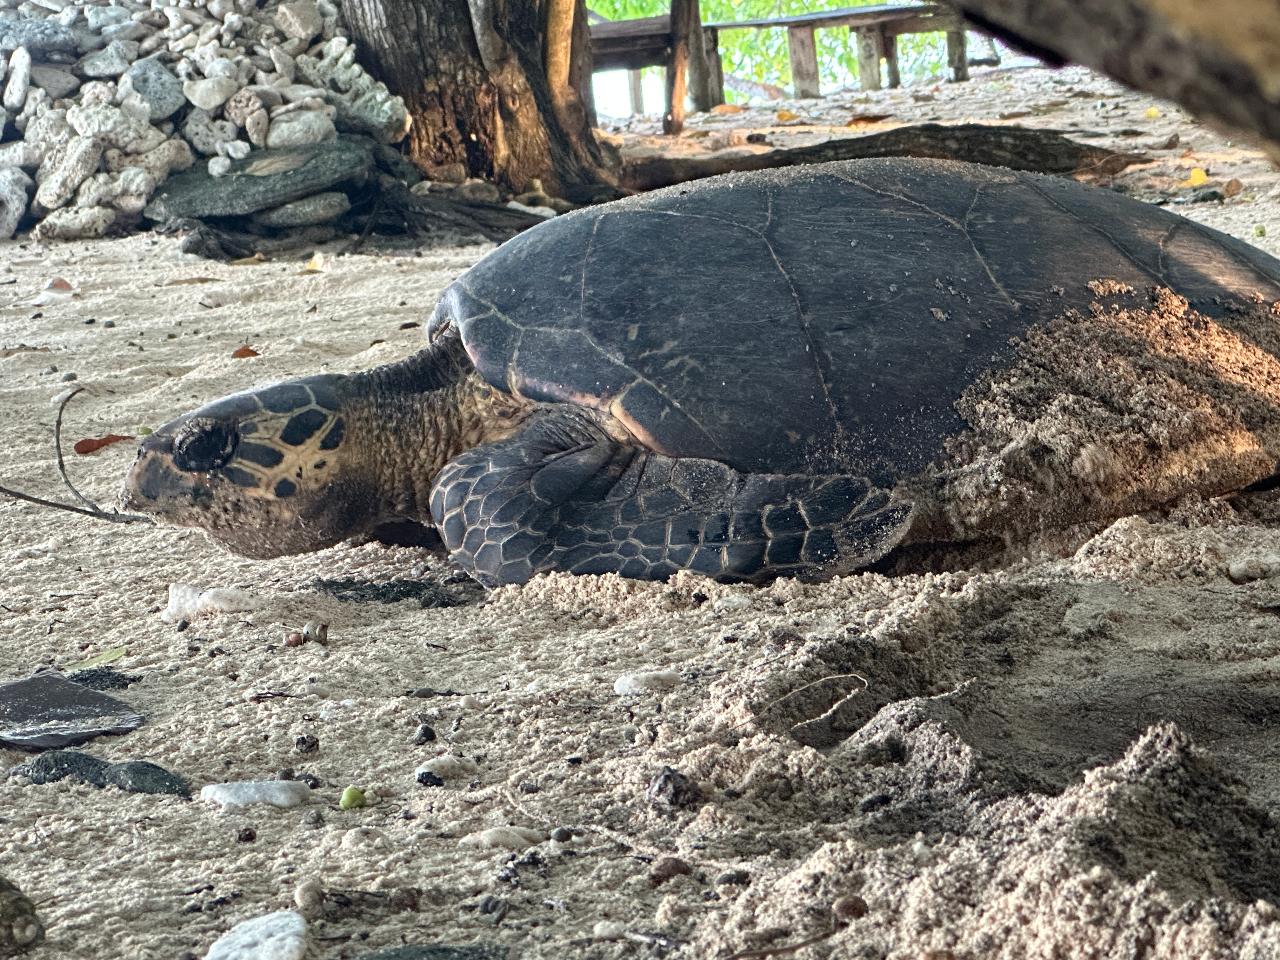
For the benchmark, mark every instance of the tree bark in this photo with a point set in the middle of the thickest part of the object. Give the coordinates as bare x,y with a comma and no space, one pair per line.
1019,148
494,87
1220,60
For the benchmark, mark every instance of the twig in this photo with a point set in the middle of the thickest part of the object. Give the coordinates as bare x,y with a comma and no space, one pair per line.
90,509
99,514
57,448
788,948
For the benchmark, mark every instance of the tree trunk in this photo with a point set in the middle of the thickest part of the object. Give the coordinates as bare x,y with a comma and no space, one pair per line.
1219,60
496,88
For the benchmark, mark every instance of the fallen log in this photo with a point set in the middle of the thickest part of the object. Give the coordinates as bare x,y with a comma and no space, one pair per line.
1020,148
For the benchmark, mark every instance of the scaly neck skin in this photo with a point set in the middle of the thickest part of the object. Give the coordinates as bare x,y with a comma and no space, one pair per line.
411,417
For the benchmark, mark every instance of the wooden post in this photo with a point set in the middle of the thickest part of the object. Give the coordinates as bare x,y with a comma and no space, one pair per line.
804,61
889,44
870,50
957,56
682,14
701,75
635,86
715,70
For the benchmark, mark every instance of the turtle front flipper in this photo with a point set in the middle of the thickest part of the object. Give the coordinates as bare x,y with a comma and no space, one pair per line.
562,495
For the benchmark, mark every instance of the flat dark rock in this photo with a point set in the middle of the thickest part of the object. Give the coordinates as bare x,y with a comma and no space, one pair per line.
442,951
265,179
49,711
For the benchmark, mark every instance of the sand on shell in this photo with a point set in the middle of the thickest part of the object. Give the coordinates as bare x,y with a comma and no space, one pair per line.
1069,752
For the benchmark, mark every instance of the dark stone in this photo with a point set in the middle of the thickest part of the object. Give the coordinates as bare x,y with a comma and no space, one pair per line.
141,776
49,711
429,779
103,678
306,743
265,179
669,787
60,764
442,951
733,878
424,734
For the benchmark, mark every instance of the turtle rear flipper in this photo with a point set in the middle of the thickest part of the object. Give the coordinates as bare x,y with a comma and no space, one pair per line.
562,495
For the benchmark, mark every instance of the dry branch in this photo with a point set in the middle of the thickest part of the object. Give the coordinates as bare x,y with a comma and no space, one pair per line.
1019,148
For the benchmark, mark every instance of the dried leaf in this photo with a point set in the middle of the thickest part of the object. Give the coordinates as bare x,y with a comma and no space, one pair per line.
786,116
187,281
94,444
241,353
858,119
249,261
98,660
1197,178
318,263
1259,230
1153,113
1232,187
728,108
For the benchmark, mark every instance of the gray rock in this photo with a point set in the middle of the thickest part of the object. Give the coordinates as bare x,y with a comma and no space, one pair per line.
111,61
300,19
15,88
299,129
34,33
204,133
55,765
48,711
274,936
140,776
19,927
128,32
364,105
218,166
267,179
317,208
441,951
235,149
128,190
210,93
78,159
240,106
100,18
159,89
57,83
15,187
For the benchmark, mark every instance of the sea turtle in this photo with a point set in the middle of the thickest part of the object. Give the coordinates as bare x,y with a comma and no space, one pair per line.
755,375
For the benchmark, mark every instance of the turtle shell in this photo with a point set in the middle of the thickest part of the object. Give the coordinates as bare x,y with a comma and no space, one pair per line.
822,318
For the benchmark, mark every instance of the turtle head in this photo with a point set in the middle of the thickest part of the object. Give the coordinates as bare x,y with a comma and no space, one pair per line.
266,473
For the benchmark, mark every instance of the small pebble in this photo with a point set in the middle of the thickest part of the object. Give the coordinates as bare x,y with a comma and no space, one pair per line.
308,896
294,639
669,787
665,868
68,377
108,324
319,632
306,743
733,878
849,907
450,766
429,779
424,734
246,835
561,834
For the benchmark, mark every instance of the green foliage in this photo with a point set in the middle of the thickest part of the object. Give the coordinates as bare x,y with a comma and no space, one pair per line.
761,55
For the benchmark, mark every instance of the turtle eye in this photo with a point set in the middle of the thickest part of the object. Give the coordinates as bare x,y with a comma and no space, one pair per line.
204,445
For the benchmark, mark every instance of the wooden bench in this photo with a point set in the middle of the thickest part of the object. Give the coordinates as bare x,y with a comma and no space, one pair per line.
674,41
875,29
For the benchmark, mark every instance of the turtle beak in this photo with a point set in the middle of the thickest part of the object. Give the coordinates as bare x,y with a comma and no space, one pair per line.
152,485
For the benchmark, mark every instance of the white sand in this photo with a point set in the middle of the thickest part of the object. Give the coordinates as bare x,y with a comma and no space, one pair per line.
994,791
